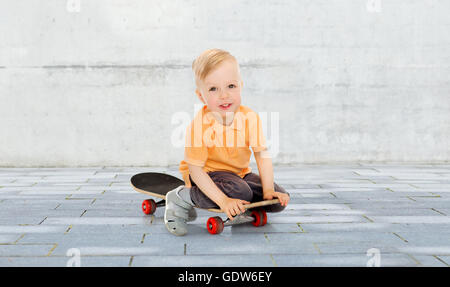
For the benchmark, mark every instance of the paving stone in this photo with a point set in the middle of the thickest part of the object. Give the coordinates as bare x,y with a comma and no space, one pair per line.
426,250
443,211
338,212
31,215
95,244
30,229
444,259
122,250
402,203
430,261
432,200
104,261
392,246
316,206
42,261
325,195
20,204
411,193
25,250
57,192
204,261
319,200
370,227
73,203
316,219
116,204
113,212
366,186
22,220
42,238
364,194
63,261
400,212
95,220
342,260
8,238
419,238
255,246
412,219
16,184
16,198
268,228
116,228
333,237
44,188
438,187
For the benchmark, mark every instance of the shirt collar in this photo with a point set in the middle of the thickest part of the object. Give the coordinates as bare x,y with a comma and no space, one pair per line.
237,123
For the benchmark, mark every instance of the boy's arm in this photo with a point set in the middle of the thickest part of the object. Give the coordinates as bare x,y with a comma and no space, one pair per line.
265,169
231,206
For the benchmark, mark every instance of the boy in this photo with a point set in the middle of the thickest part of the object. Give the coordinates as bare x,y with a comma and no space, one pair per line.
217,153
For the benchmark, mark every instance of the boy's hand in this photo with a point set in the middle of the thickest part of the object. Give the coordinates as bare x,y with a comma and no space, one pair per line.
271,194
233,207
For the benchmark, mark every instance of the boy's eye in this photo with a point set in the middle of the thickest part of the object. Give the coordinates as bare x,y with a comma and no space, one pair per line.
212,89
231,86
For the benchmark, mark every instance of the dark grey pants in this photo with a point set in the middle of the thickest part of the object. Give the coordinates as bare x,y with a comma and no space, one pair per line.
248,188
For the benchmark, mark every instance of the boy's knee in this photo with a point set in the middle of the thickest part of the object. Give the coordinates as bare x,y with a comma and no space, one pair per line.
232,185
280,189
237,189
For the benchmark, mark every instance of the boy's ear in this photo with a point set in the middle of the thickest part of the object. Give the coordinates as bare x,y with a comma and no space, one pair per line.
199,95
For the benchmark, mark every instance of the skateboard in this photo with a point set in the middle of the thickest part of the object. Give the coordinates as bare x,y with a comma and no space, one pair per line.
158,184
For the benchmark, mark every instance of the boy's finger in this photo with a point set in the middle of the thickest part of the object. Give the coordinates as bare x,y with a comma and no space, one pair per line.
232,211
241,208
229,214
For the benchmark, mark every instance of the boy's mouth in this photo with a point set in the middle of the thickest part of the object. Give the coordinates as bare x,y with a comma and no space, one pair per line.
225,106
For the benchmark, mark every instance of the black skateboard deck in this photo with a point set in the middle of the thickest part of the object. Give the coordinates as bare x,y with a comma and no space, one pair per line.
155,183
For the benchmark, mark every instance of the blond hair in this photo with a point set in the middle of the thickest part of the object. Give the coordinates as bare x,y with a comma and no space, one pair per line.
208,61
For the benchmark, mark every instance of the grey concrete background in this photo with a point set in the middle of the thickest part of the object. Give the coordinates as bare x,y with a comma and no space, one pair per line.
97,83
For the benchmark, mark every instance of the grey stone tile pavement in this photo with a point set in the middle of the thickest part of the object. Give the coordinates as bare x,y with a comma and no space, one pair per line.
358,214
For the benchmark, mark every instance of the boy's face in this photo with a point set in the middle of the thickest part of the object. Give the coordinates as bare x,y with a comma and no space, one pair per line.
221,89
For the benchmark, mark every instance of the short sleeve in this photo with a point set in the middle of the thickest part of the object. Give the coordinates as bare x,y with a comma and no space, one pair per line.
256,137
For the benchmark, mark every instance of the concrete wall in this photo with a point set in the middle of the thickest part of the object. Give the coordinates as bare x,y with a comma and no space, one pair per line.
89,83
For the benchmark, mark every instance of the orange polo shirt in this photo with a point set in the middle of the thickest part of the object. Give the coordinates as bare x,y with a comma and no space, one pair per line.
215,147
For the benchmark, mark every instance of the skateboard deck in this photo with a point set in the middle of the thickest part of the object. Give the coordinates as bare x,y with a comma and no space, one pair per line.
159,184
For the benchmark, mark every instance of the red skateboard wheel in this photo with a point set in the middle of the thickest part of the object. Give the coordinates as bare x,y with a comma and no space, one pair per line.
264,217
148,206
257,218
214,225
260,217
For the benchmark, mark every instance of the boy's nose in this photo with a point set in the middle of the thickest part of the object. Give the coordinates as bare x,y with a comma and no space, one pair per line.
223,95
